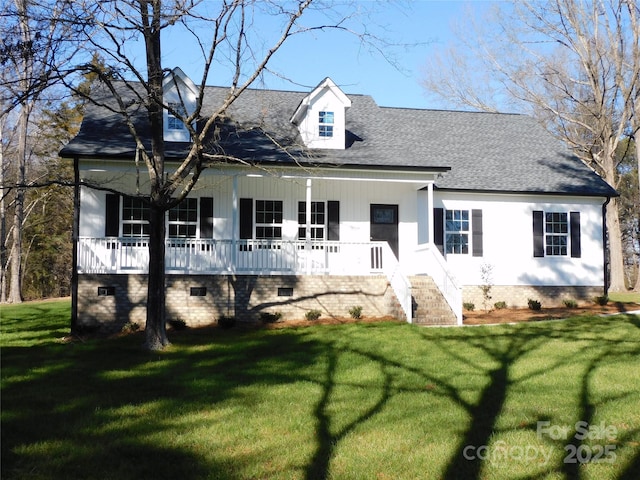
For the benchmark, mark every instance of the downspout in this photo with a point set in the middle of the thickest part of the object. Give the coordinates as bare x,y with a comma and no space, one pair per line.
605,246
75,234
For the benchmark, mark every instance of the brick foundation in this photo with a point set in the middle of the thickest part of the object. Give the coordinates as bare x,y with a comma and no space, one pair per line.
519,295
123,298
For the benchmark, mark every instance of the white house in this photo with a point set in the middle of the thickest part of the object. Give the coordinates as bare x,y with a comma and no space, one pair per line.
338,203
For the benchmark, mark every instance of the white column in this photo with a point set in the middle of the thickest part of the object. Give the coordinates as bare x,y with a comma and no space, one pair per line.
234,222
430,212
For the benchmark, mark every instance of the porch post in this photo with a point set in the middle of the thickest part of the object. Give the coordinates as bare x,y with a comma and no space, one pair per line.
234,223
430,212
307,227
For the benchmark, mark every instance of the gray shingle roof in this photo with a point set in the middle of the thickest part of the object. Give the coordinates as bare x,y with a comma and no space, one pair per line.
481,151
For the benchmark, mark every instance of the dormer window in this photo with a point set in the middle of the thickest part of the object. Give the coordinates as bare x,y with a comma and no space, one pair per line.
326,124
179,94
321,117
173,122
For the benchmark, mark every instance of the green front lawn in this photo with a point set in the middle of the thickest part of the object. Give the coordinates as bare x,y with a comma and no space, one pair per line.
361,401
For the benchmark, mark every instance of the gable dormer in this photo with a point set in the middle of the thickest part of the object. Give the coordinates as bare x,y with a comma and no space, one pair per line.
180,93
321,116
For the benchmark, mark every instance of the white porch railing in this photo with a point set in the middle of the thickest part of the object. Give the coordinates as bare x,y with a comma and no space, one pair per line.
251,257
429,257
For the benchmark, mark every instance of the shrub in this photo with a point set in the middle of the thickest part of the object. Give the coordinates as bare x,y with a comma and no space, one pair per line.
226,322
569,303
130,327
313,314
470,307
500,305
534,304
487,283
355,312
270,317
601,300
178,324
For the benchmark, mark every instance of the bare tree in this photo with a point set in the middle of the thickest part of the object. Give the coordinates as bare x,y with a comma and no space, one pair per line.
227,36
34,42
573,64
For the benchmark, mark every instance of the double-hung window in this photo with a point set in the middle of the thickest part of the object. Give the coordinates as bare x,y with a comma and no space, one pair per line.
556,234
135,217
317,221
183,219
173,122
325,121
457,231
269,219
556,227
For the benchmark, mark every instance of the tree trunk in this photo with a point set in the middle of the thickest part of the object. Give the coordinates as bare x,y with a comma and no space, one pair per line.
617,282
156,331
15,289
636,288
3,224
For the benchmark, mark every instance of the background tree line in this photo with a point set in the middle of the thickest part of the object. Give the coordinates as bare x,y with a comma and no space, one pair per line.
583,85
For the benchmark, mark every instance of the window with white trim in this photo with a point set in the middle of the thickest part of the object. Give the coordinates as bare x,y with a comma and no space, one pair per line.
556,228
268,219
183,219
456,231
325,128
318,220
173,122
135,217
556,234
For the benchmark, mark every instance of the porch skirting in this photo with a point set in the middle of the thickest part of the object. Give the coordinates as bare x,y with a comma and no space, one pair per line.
110,301
519,295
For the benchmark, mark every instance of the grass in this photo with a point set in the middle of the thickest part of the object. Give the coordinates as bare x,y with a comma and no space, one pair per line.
624,297
353,401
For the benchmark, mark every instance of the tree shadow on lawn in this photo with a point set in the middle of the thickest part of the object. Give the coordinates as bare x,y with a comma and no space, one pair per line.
504,350
104,430
93,409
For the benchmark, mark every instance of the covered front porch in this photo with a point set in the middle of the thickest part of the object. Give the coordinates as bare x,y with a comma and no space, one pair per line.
127,255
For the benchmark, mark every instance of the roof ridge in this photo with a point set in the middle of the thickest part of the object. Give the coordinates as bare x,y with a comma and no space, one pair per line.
447,110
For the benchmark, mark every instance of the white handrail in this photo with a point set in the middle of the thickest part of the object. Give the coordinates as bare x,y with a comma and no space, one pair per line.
131,255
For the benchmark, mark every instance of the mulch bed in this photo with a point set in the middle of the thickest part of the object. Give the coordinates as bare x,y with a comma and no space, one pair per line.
514,315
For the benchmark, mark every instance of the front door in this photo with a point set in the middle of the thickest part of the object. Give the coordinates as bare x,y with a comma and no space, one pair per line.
384,225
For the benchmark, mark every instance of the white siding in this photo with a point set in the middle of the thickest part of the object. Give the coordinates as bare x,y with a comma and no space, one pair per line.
508,241
507,219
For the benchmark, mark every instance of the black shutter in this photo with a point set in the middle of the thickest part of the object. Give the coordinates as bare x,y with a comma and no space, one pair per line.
206,217
476,232
538,233
438,228
575,234
333,220
112,216
246,218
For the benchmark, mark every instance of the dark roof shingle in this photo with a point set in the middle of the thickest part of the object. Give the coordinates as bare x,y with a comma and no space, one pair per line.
482,151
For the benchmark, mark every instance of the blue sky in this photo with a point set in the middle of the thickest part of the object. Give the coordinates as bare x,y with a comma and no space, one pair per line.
306,60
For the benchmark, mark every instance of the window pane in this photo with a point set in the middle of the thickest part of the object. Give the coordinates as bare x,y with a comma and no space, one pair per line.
457,220
174,123
317,219
457,243
326,117
325,131
183,219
